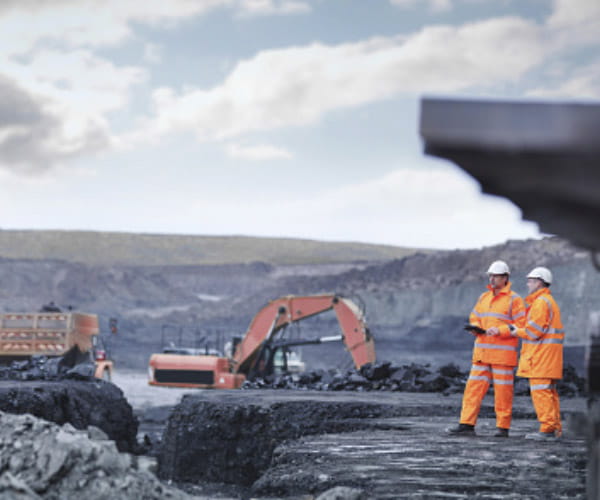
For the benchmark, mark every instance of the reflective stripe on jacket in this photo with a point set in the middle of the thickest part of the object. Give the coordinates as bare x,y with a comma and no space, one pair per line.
542,338
500,310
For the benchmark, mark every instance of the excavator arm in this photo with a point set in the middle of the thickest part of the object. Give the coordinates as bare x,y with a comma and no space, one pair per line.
281,312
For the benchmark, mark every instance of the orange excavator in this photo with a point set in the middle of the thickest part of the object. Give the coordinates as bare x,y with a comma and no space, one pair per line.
253,356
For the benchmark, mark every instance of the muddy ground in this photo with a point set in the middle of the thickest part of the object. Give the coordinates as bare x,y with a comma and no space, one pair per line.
299,444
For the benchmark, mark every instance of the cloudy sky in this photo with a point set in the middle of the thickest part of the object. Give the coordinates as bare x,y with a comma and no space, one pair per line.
286,118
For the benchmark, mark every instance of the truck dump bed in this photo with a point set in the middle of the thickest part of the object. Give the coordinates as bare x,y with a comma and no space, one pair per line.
49,334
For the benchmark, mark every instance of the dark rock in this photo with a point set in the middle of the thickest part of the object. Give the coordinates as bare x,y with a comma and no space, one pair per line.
447,379
40,459
80,403
451,371
376,371
433,383
238,439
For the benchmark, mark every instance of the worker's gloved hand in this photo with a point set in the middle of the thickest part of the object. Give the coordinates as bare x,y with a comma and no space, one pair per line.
492,331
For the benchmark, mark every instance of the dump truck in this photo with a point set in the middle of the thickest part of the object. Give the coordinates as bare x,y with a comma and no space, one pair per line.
53,334
256,353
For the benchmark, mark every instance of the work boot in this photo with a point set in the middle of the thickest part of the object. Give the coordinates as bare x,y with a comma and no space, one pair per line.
462,430
501,433
541,436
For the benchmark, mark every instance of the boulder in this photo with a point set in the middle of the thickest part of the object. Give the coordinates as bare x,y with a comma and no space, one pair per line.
39,459
81,403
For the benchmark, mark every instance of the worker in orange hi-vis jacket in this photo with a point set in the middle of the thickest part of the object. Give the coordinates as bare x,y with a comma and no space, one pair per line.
542,352
494,352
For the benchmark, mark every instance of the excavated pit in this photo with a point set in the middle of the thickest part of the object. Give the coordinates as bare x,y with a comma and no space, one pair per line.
285,443
237,435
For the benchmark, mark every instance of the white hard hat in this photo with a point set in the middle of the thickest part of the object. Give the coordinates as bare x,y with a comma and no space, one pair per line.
542,273
498,267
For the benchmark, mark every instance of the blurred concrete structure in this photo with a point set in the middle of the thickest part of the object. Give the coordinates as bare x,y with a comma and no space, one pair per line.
545,157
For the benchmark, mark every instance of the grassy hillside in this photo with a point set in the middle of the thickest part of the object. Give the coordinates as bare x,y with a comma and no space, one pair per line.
153,249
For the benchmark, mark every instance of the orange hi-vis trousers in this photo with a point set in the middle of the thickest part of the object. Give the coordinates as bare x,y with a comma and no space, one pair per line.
546,403
477,386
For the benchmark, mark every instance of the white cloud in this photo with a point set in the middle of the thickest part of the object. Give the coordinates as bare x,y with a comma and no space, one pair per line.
47,58
298,85
434,5
153,53
581,84
261,152
89,23
64,98
273,7
95,23
575,22
572,12
424,207
51,64
36,132
78,79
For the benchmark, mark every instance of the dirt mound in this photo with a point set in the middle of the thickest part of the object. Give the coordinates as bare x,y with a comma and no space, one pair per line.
40,459
80,403
445,267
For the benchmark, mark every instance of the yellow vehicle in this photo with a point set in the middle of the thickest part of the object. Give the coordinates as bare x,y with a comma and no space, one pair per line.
23,335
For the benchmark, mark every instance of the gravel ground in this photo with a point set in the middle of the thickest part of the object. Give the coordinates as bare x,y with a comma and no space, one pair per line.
417,460
141,396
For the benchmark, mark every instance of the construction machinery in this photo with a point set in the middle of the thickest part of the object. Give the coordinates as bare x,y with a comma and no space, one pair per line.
256,353
52,333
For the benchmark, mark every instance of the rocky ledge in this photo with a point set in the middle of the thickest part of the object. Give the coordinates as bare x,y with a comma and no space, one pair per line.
387,445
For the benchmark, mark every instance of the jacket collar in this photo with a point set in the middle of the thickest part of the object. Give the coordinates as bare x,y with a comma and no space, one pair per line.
503,290
532,296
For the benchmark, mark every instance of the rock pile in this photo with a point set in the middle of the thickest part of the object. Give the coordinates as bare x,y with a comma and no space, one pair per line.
447,379
78,402
73,365
39,459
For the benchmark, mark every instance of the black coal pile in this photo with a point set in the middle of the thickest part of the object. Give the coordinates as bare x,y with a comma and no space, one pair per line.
570,386
447,379
70,366
373,377
64,390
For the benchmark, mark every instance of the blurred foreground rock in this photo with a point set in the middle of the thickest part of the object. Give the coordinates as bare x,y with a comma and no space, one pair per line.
80,403
39,459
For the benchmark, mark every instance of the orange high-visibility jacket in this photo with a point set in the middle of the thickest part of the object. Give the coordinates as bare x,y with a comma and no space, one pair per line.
501,310
543,336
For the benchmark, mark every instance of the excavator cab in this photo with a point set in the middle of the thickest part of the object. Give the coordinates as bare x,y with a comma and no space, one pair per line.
287,361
